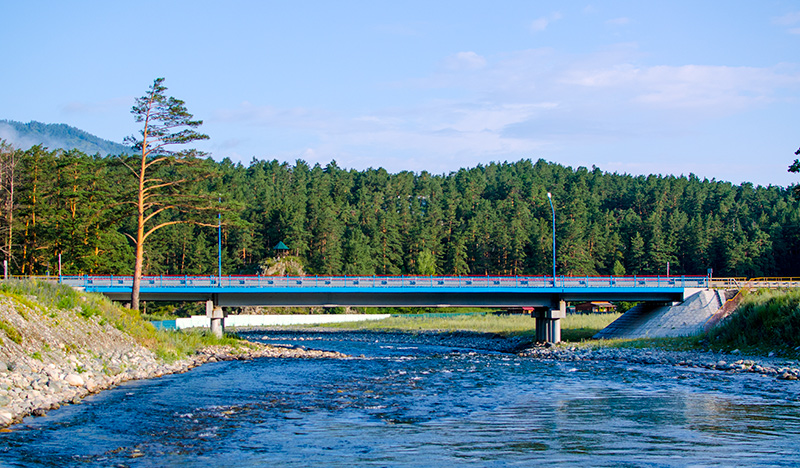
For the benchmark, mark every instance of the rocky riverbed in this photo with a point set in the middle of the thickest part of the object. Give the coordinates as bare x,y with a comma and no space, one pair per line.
770,366
457,339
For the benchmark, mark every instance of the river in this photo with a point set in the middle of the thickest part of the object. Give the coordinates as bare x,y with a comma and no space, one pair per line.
406,404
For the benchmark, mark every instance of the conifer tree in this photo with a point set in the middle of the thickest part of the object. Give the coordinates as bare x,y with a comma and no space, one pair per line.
161,175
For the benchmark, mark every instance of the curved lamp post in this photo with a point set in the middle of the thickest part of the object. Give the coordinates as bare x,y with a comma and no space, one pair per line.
550,199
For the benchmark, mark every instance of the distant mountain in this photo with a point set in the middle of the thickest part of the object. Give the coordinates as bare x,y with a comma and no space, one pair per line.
53,136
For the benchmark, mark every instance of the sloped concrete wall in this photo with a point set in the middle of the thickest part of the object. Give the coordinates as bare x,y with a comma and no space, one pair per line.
651,321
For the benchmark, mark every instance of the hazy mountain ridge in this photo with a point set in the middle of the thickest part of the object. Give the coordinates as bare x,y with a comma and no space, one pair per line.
53,136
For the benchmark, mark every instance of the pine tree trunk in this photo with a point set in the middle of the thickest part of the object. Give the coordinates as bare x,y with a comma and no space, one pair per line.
137,269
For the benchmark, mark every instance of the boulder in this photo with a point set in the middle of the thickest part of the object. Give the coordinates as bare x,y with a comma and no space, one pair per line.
75,380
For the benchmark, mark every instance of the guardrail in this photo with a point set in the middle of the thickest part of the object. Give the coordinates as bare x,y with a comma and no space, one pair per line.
123,282
773,283
728,283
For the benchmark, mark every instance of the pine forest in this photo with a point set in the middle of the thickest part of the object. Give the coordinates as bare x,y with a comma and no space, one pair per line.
494,219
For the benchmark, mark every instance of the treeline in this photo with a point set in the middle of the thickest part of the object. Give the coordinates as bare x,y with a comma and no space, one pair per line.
492,219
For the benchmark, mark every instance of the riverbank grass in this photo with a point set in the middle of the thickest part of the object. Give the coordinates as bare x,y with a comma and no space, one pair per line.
575,327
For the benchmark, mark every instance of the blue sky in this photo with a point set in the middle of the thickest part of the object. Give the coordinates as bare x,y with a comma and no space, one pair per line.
710,88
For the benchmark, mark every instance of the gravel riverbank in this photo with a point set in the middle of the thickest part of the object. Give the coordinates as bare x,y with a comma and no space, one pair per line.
33,388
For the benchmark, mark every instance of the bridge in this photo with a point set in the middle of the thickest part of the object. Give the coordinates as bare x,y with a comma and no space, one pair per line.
546,295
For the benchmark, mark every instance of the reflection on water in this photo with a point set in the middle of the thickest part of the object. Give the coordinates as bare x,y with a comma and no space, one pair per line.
405,405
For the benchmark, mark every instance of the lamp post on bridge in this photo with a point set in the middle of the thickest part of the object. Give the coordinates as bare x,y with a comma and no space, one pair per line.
548,326
219,242
550,199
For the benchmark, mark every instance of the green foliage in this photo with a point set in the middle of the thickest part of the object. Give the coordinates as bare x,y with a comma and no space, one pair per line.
11,332
172,345
618,269
426,263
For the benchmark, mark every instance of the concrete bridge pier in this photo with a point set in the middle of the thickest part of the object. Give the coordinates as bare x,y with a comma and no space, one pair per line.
548,322
216,316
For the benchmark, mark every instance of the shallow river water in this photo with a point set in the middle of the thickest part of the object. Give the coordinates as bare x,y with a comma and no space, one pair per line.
417,405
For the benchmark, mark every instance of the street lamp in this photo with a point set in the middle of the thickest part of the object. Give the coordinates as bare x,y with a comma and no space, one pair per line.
219,241
550,199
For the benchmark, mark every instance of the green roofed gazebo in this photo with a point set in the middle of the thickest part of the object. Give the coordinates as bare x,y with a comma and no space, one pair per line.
281,248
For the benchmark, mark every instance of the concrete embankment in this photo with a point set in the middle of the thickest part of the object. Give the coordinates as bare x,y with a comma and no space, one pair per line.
669,320
51,356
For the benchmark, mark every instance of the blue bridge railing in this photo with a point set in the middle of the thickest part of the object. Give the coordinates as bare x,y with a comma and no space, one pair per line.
266,282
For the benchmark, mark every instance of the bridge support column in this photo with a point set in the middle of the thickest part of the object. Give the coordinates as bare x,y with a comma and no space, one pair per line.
217,318
548,323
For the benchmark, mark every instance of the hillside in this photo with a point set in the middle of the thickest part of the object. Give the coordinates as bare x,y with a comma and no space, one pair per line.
56,136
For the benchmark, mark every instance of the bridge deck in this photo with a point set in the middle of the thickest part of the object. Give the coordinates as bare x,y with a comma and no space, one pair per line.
391,291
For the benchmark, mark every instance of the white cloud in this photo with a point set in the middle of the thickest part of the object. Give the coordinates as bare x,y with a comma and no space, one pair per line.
529,103
465,61
711,88
540,24
788,19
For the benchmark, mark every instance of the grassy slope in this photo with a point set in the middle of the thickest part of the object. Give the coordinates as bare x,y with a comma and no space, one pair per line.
169,345
765,321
